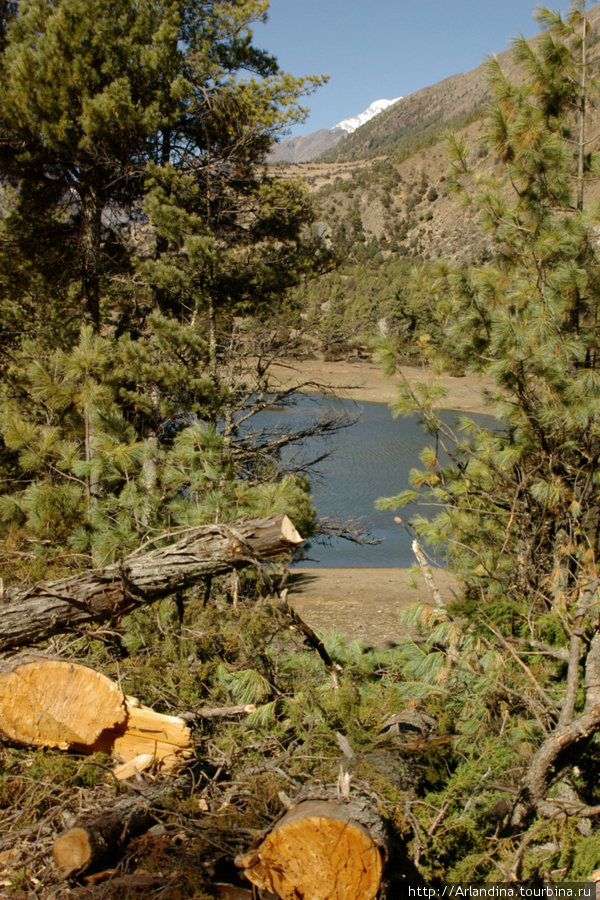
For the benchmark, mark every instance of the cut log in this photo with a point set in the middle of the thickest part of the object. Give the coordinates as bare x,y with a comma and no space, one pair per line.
319,850
92,838
54,703
145,732
30,613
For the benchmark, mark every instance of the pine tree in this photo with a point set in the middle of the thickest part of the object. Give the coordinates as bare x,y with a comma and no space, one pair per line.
80,484
520,501
136,204
102,105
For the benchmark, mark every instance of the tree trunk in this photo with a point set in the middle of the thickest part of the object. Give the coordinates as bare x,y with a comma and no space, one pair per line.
212,341
321,850
30,613
581,114
90,254
92,838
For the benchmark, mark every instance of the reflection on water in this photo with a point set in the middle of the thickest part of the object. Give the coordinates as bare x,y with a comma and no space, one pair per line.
371,459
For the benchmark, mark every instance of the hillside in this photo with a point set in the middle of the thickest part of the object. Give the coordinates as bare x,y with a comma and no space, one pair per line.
420,116
310,146
304,148
383,188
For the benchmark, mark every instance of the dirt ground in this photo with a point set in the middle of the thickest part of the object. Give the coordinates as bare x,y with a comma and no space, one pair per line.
362,603
363,381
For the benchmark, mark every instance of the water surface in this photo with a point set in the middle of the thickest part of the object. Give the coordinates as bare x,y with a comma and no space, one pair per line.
370,459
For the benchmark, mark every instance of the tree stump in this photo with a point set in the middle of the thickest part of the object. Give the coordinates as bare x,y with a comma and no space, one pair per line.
94,837
320,850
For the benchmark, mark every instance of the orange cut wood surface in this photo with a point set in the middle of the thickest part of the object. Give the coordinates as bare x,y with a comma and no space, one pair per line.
316,853
55,703
145,731
73,849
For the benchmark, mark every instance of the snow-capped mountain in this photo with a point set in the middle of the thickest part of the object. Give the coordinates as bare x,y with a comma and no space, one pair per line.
303,149
350,125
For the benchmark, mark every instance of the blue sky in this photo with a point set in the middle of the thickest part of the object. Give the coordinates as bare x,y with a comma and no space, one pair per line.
386,48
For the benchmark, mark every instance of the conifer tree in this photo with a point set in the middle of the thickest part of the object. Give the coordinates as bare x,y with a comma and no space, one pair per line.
520,501
136,204
95,100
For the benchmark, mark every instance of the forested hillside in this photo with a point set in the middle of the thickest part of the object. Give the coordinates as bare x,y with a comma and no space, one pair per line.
385,194
170,726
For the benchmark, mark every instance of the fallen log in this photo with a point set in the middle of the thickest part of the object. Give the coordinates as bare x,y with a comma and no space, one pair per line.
48,702
320,850
30,613
92,838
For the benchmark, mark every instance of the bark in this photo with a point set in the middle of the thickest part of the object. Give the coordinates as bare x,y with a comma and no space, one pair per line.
577,634
90,254
93,838
582,117
429,580
30,613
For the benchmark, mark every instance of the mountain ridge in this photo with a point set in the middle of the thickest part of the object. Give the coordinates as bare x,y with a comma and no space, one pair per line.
350,125
306,147
382,190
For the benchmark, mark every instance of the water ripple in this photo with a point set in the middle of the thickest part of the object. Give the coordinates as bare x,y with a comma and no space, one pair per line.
370,459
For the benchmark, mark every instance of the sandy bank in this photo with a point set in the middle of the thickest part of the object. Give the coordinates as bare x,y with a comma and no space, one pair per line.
363,381
363,602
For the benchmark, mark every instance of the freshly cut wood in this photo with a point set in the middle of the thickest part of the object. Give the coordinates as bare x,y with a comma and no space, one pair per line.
55,703
317,851
93,837
146,733
30,613
134,766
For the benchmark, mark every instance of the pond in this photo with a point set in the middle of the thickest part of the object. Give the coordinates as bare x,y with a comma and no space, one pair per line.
370,459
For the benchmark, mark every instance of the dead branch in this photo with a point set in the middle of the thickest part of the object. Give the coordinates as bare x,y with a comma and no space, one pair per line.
535,785
315,642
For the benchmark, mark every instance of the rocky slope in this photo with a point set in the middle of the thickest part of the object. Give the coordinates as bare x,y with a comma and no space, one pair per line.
384,186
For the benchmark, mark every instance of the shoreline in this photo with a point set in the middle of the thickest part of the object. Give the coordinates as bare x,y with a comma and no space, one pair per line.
364,603
363,381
